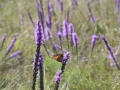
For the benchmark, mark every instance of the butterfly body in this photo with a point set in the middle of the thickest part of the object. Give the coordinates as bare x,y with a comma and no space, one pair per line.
58,57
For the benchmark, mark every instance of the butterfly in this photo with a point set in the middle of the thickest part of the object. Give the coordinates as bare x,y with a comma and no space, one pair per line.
58,57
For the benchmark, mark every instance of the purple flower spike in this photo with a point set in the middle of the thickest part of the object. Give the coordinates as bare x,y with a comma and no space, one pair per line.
15,54
65,28
75,39
75,2
61,5
59,34
117,4
3,38
39,36
66,57
71,28
40,61
50,6
56,47
58,76
93,41
92,17
109,50
48,33
11,45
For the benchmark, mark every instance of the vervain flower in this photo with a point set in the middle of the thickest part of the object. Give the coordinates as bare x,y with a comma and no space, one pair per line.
58,76
71,28
109,50
65,28
40,61
48,33
93,41
11,45
75,2
66,57
75,39
15,54
117,4
39,36
50,6
61,5
59,34
3,40
39,39
92,17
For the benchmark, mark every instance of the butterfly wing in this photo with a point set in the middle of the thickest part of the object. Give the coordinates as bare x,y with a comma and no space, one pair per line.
58,57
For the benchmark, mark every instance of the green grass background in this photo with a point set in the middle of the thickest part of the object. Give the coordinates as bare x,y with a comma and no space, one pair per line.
93,74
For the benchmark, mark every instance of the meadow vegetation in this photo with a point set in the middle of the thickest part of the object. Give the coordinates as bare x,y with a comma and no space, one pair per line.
85,70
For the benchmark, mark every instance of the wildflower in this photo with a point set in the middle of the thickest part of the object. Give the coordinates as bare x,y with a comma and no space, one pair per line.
39,36
58,76
93,41
119,20
40,67
92,17
65,28
3,40
66,57
48,33
61,5
11,45
40,61
59,34
50,7
117,4
71,28
15,54
109,50
75,39
39,40
75,2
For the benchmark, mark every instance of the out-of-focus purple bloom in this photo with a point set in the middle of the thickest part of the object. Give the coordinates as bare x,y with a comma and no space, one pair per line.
117,4
58,76
71,28
66,57
112,64
50,19
75,2
50,6
11,45
109,49
92,17
61,5
3,38
59,34
15,54
48,33
40,61
39,36
56,47
119,20
75,39
93,41
65,28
